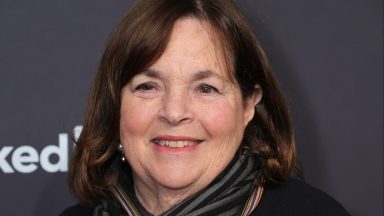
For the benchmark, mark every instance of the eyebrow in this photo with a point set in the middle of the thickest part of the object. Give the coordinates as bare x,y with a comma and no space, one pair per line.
205,74
197,76
152,73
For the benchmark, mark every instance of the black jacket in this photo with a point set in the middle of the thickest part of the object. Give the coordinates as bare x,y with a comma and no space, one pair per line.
294,198
297,198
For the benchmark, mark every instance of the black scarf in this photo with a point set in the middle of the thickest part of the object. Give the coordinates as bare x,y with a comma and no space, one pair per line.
226,195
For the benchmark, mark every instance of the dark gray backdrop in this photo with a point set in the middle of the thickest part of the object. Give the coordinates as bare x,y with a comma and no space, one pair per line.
328,56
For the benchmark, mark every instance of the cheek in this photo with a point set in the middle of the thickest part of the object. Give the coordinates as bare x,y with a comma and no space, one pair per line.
134,120
221,119
127,121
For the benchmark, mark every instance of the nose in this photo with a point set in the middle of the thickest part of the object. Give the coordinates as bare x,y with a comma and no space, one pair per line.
175,109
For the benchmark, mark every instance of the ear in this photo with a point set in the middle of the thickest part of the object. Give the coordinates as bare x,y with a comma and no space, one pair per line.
250,104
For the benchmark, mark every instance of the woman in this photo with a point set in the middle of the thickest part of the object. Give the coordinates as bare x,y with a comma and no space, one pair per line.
186,118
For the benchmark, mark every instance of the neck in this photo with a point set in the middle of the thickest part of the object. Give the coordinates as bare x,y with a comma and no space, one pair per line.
157,199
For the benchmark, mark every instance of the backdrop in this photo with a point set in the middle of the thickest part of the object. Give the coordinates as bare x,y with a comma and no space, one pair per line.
328,56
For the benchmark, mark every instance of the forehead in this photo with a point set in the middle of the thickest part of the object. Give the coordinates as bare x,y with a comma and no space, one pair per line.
193,30
193,45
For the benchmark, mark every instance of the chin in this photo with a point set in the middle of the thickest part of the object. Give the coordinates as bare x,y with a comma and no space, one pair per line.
177,180
176,184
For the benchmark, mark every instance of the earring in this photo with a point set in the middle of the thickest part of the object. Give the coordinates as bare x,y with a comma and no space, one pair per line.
122,152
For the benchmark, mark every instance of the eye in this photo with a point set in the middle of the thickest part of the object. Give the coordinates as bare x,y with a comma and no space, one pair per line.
207,89
148,86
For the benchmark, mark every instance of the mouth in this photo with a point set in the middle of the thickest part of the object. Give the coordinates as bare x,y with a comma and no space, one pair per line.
175,142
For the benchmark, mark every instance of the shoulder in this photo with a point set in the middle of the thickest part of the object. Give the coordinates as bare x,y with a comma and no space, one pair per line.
77,210
297,198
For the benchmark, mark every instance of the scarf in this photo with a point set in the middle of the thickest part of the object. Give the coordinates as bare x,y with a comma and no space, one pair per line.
233,192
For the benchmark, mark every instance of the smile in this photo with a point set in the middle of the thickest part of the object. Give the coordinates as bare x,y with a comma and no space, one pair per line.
174,144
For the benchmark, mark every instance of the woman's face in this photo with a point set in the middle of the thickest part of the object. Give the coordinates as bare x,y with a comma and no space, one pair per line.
182,119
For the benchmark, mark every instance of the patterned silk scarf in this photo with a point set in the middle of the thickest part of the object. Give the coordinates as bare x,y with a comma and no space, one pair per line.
234,192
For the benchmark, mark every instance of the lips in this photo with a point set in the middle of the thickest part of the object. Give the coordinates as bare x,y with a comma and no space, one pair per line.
175,142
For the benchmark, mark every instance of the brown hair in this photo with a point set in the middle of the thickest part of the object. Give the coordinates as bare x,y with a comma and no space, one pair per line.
140,40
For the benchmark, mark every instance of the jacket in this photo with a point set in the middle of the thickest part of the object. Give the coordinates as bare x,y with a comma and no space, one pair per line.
294,198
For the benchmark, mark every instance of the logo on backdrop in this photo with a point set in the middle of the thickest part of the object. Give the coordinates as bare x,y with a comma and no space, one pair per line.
26,159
